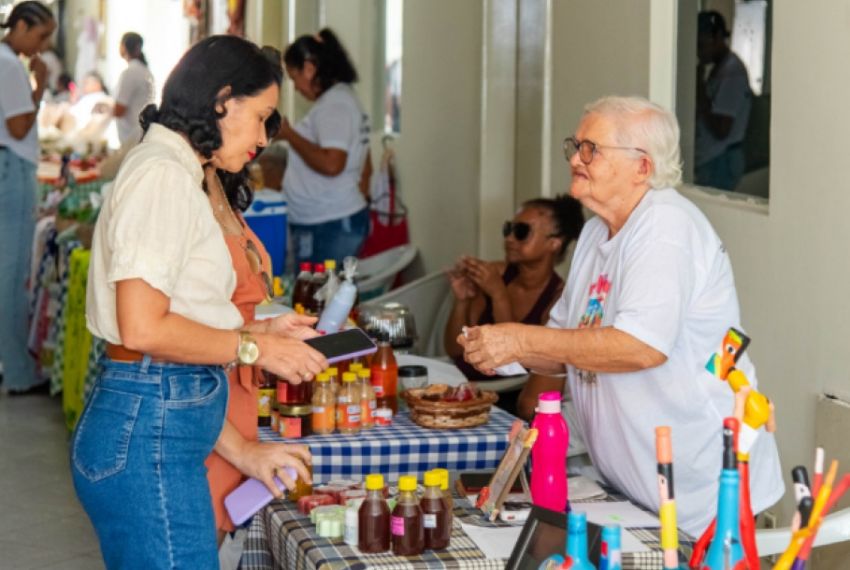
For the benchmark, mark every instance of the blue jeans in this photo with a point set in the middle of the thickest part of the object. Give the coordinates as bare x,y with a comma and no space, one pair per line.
335,240
137,460
17,223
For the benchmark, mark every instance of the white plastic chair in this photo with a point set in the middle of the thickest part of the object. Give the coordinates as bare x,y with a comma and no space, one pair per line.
835,528
379,271
429,299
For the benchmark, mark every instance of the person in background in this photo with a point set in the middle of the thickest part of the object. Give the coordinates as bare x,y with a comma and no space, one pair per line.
272,166
65,88
93,97
649,298
135,88
28,30
160,292
328,213
520,289
723,106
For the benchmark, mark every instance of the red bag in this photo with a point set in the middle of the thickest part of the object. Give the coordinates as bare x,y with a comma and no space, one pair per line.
387,215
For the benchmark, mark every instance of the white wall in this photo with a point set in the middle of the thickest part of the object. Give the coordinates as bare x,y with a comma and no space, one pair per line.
791,264
438,151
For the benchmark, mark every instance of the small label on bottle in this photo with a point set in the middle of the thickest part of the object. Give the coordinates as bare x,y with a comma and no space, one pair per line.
264,402
318,409
429,521
397,525
290,428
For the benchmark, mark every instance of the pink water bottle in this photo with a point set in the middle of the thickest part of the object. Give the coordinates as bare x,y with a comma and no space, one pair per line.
549,454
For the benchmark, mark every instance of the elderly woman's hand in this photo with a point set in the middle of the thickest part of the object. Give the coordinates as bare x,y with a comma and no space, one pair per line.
293,325
490,346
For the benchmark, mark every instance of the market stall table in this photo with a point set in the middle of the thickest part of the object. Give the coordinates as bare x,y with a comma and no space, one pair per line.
281,538
405,448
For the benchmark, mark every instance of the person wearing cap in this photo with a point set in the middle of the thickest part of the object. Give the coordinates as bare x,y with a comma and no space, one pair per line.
724,100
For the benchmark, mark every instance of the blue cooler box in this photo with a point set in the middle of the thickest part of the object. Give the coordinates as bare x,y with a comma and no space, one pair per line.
267,218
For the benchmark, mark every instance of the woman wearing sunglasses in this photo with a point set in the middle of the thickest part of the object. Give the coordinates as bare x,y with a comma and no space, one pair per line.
160,291
524,286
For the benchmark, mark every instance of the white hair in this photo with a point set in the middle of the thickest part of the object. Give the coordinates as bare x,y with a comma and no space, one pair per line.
643,124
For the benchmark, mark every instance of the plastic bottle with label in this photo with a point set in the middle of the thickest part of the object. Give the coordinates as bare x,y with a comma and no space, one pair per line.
265,399
444,487
374,518
301,290
368,404
316,281
348,405
324,406
333,374
384,371
407,534
436,521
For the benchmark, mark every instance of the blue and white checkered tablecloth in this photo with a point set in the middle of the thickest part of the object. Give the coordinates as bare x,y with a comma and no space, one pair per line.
405,448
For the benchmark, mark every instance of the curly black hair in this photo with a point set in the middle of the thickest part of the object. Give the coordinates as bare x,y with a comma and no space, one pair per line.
236,185
326,52
566,214
212,71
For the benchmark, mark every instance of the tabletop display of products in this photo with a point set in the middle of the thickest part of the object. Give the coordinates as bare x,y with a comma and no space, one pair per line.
406,520
346,398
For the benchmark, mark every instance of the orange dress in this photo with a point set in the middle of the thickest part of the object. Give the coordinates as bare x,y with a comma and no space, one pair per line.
242,403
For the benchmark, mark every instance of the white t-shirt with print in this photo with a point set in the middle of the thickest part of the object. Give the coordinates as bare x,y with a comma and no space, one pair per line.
135,91
16,100
664,278
336,120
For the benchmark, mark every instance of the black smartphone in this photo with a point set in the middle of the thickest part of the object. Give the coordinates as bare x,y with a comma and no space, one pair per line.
343,345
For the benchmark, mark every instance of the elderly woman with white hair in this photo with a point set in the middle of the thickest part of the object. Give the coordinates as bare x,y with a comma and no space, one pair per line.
649,297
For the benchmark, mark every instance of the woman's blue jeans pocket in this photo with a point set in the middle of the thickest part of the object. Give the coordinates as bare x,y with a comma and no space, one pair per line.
191,390
102,441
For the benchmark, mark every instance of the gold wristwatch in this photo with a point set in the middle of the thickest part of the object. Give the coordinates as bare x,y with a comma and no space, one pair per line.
248,351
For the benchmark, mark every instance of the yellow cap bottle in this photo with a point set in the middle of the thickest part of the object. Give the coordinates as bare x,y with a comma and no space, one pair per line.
407,483
432,479
374,482
349,377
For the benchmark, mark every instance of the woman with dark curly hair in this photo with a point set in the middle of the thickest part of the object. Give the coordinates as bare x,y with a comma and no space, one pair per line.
330,152
160,291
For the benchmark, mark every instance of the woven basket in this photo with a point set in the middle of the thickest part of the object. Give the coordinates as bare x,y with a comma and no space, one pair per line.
449,415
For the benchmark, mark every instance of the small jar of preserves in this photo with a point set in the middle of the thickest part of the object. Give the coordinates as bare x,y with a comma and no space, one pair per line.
295,421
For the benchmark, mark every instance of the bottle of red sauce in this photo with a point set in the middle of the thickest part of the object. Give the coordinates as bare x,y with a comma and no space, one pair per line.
374,518
384,370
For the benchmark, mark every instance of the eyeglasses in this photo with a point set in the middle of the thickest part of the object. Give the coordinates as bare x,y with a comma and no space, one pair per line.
587,149
255,262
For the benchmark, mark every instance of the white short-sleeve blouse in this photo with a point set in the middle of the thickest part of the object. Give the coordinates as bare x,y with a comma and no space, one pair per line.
157,224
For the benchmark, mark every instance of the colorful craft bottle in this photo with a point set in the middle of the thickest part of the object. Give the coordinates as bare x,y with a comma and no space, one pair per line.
610,557
549,454
577,541
726,550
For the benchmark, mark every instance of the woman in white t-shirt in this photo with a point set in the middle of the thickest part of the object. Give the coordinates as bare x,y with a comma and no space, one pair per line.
160,292
29,26
328,214
135,88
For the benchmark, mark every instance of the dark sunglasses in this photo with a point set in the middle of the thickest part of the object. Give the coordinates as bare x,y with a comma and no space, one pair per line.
521,230
255,262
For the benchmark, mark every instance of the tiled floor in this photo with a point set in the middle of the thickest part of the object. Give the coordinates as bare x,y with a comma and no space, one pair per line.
41,523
